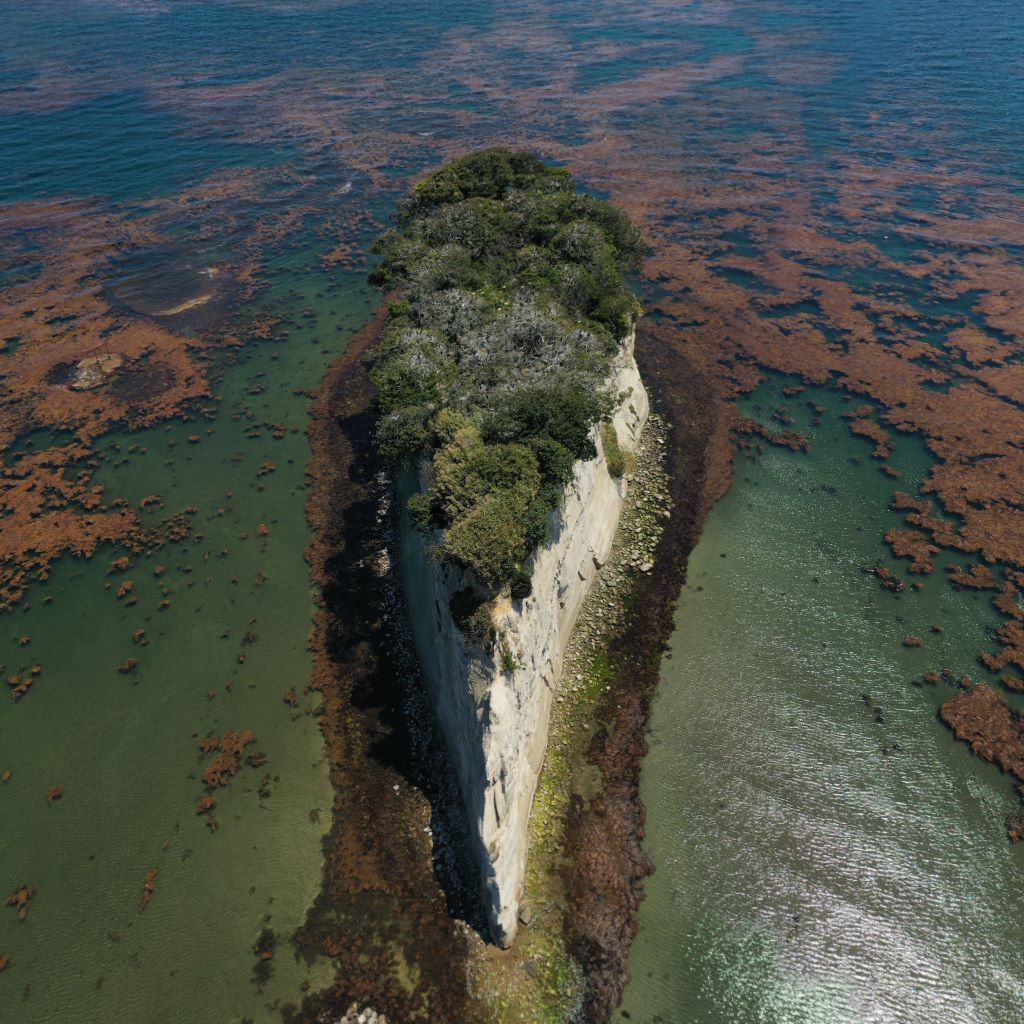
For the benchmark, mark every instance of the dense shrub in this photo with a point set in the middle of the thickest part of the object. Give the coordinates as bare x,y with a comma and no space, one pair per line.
511,304
489,174
402,433
490,539
562,412
520,584
421,509
619,462
473,616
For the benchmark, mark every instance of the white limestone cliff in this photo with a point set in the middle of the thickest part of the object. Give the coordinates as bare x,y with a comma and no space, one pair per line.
495,721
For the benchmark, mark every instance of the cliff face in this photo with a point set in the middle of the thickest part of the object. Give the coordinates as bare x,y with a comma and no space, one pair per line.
495,721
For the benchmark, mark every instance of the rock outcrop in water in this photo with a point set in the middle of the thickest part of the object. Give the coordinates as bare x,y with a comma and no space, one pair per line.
506,378
494,701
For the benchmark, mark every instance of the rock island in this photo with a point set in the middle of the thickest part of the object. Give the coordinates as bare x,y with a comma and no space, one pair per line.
510,405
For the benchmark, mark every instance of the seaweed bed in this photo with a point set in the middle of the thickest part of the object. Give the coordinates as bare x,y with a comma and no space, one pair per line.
981,718
606,860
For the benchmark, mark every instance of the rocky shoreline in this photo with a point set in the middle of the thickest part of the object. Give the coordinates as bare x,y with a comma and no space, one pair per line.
605,833
381,913
540,977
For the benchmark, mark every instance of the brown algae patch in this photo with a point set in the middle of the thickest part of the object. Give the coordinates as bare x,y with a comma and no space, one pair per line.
105,330
981,718
19,900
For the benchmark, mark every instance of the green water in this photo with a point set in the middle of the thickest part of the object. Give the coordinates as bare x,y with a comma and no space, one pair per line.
815,866
124,747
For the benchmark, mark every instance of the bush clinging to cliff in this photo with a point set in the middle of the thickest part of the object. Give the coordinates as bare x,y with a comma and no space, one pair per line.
619,462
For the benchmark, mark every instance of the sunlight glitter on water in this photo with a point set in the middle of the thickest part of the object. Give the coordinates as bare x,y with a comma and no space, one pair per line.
843,861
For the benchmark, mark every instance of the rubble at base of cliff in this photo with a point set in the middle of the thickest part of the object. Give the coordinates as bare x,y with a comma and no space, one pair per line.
546,955
353,1015
646,506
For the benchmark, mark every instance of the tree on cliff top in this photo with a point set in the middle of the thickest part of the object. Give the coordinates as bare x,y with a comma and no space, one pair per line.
512,303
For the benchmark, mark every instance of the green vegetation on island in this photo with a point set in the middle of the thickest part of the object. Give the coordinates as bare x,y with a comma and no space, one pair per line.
511,303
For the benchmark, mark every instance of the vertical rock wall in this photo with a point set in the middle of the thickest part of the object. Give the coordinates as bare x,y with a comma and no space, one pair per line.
495,721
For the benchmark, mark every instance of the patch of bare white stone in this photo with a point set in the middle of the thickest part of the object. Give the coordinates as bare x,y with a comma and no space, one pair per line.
353,1015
